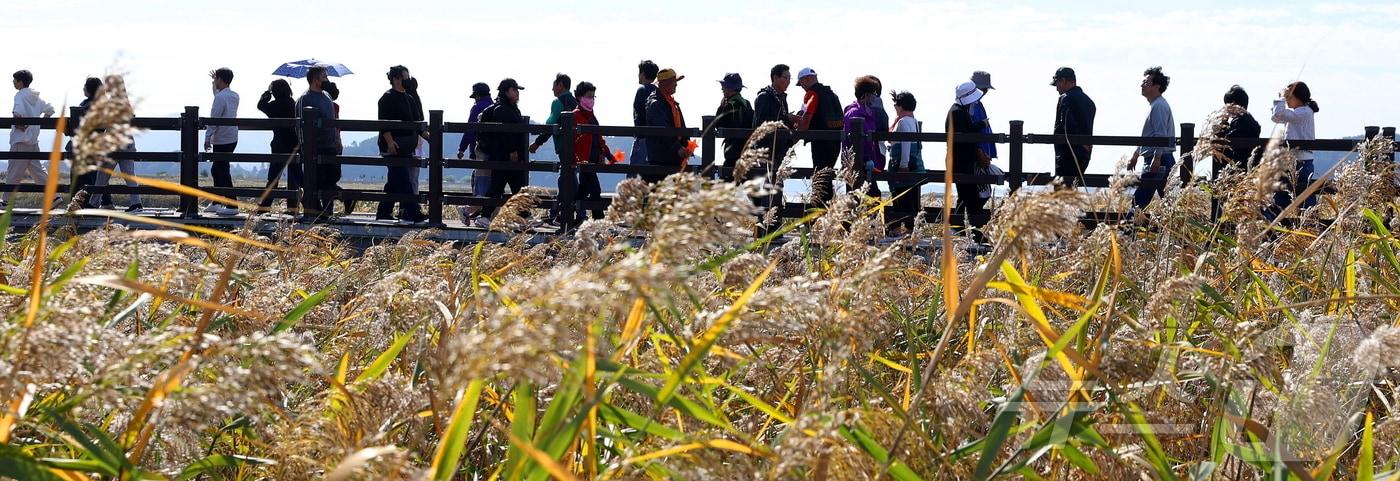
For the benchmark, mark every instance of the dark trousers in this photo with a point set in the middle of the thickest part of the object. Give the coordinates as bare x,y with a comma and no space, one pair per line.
516,179
274,174
973,208
399,183
824,154
220,169
906,206
1143,195
319,199
589,189
1293,187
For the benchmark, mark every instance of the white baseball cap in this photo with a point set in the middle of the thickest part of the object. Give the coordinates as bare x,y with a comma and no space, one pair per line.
967,93
806,72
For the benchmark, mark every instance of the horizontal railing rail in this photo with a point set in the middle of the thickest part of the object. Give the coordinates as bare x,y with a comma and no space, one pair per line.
706,159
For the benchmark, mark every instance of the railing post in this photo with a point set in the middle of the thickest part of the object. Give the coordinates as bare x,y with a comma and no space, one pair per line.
189,160
1389,133
707,149
1371,131
1187,144
435,168
564,140
1017,155
858,144
310,153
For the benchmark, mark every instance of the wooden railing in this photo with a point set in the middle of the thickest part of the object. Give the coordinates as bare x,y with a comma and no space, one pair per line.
189,124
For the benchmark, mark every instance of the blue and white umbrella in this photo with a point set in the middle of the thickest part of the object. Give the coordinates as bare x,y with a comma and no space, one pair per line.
298,68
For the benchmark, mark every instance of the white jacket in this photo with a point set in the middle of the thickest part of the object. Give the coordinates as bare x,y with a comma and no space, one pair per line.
28,104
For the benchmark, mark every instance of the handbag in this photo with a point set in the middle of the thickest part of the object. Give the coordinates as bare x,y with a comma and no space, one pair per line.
985,190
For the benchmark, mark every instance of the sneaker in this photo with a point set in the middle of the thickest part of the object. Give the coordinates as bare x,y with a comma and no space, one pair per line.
212,208
108,206
3,204
481,222
134,208
226,211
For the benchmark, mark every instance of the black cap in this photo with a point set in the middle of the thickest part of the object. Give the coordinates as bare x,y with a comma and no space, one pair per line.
508,84
1063,73
480,89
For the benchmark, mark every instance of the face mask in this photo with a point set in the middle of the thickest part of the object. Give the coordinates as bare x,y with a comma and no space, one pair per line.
586,103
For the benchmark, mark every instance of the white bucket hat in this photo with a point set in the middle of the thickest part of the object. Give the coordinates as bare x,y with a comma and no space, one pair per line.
967,93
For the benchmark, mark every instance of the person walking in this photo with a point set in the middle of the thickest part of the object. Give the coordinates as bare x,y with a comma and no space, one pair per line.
99,177
222,139
277,103
504,147
771,105
821,111
1157,161
1296,109
398,144
906,157
971,207
319,207
25,138
646,80
564,103
983,81
328,175
664,111
1074,115
860,108
467,148
420,150
588,149
734,112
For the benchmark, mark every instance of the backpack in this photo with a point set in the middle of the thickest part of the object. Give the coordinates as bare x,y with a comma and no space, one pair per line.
486,141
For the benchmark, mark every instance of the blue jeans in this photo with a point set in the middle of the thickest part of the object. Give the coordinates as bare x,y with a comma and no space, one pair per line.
1143,195
1293,187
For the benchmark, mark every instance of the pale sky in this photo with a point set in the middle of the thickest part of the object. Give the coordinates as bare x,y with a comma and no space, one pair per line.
1345,51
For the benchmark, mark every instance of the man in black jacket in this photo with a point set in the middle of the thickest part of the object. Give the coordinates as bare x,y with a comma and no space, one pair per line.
664,111
1074,115
504,147
646,80
770,105
397,104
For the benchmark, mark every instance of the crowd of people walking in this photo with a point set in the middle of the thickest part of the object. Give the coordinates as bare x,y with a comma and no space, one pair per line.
655,105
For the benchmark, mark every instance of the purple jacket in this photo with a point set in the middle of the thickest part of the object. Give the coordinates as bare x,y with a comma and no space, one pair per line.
468,144
872,150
